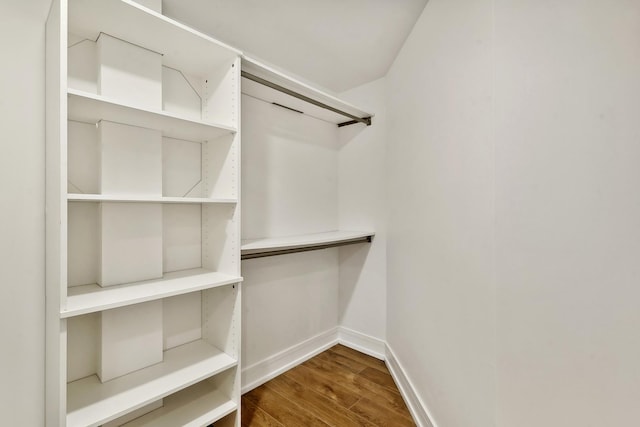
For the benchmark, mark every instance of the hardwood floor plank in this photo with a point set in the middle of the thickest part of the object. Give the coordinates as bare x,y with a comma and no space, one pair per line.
339,388
347,363
382,378
312,380
252,416
359,357
334,373
321,406
393,400
377,413
282,409
357,384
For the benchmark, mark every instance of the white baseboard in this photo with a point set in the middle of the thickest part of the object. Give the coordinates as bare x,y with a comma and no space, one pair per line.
259,373
363,343
418,409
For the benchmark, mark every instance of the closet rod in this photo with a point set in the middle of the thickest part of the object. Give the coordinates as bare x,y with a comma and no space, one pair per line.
354,119
366,239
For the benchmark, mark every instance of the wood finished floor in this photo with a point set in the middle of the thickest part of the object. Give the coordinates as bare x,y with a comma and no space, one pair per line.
339,387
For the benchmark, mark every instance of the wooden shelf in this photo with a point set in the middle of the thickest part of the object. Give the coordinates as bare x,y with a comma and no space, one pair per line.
196,406
91,108
269,95
256,248
91,298
182,48
74,197
92,403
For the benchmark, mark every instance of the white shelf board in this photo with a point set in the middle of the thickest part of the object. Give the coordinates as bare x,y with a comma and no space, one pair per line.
252,246
197,406
91,108
183,48
92,403
91,298
75,197
267,94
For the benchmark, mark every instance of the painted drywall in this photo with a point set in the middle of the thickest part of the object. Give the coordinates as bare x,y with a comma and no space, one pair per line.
22,213
440,294
362,206
289,187
568,213
543,175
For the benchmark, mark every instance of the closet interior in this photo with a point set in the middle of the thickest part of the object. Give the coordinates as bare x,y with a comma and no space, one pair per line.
143,210
290,208
290,164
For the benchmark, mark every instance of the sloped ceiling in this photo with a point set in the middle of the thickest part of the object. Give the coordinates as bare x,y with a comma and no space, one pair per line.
336,44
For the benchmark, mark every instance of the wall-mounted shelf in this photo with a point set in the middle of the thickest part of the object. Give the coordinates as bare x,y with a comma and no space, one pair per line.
182,47
90,108
268,84
74,197
258,248
92,403
191,407
91,298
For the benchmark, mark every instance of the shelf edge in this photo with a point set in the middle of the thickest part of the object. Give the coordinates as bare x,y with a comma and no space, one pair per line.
160,113
79,197
87,309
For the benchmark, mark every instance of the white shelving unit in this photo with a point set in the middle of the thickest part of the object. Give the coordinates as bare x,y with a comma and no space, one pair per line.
143,219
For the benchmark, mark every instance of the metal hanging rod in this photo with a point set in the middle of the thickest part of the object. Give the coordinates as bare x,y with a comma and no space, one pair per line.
354,119
366,239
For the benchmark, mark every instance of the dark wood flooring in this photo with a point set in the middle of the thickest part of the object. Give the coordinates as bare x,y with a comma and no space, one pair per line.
339,387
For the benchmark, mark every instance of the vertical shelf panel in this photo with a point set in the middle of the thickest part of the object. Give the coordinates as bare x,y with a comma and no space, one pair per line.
56,208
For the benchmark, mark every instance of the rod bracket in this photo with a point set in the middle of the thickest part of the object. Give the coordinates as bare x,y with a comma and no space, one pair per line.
365,120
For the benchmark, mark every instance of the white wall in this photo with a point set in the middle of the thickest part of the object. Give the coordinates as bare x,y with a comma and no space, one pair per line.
289,187
568,212
22,213
363,206
546,173
440,291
